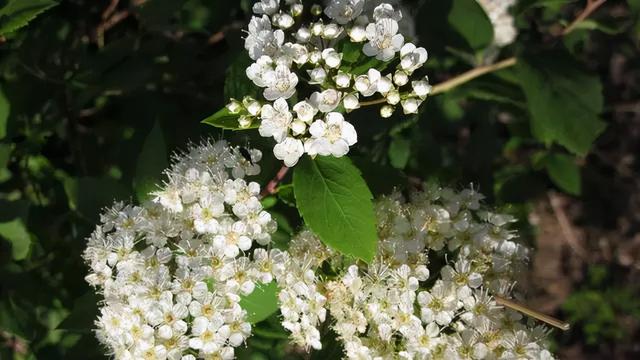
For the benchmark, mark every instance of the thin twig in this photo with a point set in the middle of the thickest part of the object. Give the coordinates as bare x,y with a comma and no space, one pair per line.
458,80
565,225
273,184
533,313
110,18
592,5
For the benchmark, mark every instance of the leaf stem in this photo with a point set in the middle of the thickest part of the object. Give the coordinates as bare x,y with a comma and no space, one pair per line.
592,5
458,80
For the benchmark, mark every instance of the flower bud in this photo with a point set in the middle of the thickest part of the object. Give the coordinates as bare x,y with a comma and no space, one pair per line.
234,106
332,58
331,31
386,111
343,80
316,10
314,57
317,75
362,83
298,127
253,107
303,35
245,121
400,78
285,21
393,97
351,102
297,9
316,28
421,88
357,34
384,85
411,105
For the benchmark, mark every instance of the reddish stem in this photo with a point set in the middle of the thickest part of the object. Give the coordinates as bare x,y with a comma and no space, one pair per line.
273,184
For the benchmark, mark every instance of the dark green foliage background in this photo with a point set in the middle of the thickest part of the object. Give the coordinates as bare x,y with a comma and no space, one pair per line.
87,118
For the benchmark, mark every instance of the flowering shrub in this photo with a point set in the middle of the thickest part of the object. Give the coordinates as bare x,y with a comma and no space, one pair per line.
314,71
331,242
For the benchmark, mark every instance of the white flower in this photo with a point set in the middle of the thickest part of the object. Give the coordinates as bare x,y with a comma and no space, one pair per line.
303,35
421,88
209,334
275,120
289,150
262,40
325,101
333,136
400,78
317,75
358,34
268,7
384,40
332,58
293,53
281,83
343,11
386,11
284,21
205,213
504,30
386,111
367,85
305,111
412,58
331,31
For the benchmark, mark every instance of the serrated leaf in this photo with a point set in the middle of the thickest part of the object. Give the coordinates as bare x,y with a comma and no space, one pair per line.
564,172
236,83
152,160
224,119
351,51
470,21
335,203
261,303
563,100
18,13
16,233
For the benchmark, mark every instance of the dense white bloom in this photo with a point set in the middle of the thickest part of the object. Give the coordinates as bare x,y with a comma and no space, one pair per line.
343,11
394,308
150,262
290,150
276,119
331,136
384,40
321,54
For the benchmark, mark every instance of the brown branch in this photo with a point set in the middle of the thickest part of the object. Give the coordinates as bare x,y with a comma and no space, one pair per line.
273,184
459,79
532,313
110,18
568,232
592,5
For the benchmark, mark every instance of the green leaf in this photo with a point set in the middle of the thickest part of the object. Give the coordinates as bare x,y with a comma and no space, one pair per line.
15,232
224,119
261,303
351,51
470,21
151,162
5,107
399,152
564,172
564,101
335,202
236,83
88,195
82,315
18,13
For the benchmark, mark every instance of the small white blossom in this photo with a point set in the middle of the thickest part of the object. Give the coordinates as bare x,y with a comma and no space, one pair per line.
331,136
276,119
289,150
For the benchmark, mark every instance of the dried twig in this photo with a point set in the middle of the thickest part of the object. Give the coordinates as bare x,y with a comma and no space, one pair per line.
533,313
592,5
565,225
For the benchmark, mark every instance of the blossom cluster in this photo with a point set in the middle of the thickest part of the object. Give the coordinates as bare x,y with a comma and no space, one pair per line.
428,294
172,271
316,64
504,29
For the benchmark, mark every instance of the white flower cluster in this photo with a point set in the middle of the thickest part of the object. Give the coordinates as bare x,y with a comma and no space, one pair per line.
504,29
427,295
312,73
172,271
